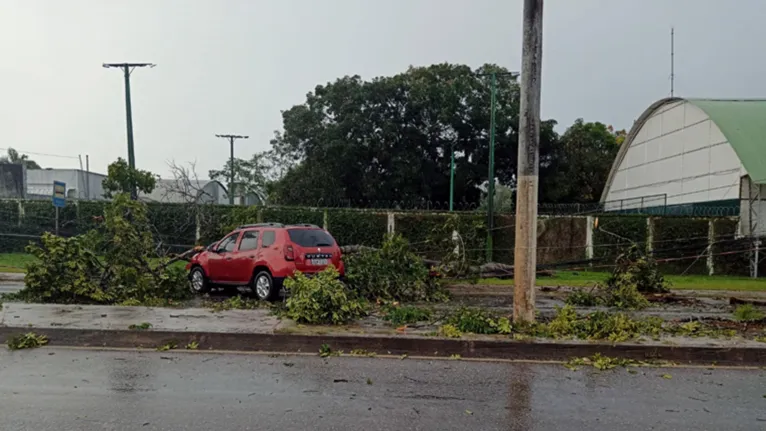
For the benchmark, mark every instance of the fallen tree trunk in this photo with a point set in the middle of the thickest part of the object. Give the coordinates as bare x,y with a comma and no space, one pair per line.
738,301
487,270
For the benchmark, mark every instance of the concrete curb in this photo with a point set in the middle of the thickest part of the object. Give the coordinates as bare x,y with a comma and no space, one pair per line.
396,345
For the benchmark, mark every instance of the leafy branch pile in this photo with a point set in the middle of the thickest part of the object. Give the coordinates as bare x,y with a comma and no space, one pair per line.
392,273
634,276
116,262
567,324
477,321
322,299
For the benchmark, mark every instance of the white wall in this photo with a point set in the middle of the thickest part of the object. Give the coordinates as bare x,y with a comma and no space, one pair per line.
679,152
40,182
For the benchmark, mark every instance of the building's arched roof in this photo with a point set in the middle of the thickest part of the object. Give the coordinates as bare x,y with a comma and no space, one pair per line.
742,122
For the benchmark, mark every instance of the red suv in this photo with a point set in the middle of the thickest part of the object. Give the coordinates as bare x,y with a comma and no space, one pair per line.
261,256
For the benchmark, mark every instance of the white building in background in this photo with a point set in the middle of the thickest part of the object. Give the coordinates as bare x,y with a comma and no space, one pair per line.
88,186
79,184
687,153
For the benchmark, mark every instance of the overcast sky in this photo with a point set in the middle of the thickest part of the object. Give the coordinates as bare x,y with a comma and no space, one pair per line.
230,66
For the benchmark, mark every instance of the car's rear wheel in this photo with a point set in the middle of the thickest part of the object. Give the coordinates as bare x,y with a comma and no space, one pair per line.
263,286
198,281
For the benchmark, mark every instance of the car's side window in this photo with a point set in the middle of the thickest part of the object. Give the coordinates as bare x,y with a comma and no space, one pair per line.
269,237
228,243
249,241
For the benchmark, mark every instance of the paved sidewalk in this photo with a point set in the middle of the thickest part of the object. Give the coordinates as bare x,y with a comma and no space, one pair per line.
102,317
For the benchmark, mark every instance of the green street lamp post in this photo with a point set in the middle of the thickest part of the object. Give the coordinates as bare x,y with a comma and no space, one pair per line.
491,175
127,69
452,177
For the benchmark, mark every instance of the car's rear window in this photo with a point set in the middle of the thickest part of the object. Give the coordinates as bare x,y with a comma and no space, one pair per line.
310,237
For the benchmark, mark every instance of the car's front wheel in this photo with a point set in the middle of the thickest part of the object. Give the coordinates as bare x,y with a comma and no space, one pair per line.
198,281
263,286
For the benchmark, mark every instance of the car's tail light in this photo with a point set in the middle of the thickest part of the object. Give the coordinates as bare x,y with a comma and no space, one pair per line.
289,253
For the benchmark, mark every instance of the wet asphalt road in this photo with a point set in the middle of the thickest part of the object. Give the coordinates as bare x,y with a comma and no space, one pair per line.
59,389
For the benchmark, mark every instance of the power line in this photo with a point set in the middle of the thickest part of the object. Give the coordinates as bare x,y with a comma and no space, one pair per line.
25,152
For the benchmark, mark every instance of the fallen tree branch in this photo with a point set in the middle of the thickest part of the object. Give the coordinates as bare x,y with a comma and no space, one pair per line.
738,301
186,256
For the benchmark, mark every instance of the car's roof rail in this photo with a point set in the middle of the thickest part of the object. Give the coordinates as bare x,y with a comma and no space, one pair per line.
304,225
248,226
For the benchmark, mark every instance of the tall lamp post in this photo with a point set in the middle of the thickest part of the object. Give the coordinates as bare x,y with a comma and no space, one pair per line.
452,177
231,139
127,69
491,175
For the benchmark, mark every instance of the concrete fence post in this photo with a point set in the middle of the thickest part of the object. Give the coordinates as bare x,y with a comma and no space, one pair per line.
21,212
325,223
391,224
589,221
649,235
197,227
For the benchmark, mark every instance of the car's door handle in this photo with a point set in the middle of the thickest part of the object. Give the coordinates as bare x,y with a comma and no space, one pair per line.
251,257
228,258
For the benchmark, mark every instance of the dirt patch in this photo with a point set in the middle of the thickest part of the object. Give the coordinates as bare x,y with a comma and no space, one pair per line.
673,299
750,328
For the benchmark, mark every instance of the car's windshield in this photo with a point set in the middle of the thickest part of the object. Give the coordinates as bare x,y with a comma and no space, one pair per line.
310,237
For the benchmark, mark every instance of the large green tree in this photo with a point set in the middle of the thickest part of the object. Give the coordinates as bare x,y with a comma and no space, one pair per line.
121,178
390,138
581,162
13,156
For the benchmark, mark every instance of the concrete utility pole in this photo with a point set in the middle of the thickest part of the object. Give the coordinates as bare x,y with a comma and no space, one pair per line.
525,259
231,139
127,69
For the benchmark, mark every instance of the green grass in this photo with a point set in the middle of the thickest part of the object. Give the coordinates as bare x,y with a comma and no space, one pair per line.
686,282
17,262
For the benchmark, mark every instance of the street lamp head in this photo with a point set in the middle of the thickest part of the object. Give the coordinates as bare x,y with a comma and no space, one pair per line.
232,136
123,65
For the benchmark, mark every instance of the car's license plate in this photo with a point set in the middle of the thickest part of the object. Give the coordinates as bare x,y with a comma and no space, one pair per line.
319,262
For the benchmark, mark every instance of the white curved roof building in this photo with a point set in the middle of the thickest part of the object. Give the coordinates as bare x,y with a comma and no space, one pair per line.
685,153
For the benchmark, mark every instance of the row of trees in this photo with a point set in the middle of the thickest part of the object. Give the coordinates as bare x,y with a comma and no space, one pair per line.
391,138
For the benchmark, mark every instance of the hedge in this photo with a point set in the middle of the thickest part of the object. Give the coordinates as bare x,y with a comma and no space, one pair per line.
612,234
357,227
728,257
560,239
677,239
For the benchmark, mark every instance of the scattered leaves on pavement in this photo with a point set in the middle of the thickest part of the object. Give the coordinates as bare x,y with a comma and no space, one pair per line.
170,345
29,340
140,327
325,351
667,376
